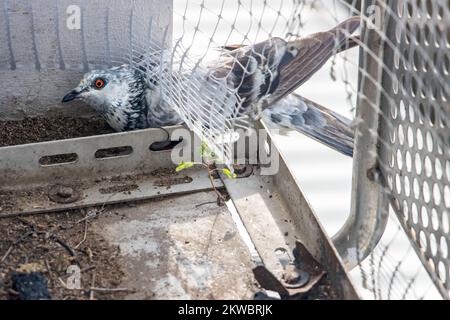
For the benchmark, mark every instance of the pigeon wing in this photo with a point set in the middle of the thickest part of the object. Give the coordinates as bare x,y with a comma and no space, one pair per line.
306,56
270,70
313,120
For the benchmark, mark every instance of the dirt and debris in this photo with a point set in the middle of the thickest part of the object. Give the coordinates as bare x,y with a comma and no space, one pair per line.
7,201
64,194
32,130
58,159
53,245
113,152
14,200
163,172
171,181
119,188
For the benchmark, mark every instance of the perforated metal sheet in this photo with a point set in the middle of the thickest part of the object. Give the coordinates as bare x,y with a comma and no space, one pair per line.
413,150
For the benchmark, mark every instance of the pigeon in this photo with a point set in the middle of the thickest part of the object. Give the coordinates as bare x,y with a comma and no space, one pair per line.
313,120
262,76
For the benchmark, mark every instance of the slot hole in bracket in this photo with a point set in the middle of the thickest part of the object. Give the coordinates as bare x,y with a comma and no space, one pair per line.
114,152
58,159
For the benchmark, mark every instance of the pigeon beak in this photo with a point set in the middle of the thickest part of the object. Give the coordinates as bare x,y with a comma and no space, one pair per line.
72,95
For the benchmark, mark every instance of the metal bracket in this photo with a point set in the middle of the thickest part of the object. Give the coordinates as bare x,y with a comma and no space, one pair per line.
368,216
274,203
299,278
29,187
276,215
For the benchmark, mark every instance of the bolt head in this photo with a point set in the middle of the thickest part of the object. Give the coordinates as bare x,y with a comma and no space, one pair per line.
65,192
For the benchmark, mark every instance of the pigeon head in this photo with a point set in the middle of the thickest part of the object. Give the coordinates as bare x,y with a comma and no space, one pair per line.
117,94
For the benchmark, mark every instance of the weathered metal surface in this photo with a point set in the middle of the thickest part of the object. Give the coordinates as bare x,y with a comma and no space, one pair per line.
28,186
183,247
274,226
268,206
369,215
89,193
46,47
20,165
300,277
276,215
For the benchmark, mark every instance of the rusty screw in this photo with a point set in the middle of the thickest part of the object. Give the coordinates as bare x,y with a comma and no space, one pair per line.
64,192
243,171
239,169
295,278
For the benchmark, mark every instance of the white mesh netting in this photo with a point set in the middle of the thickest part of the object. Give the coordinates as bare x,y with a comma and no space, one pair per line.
187,73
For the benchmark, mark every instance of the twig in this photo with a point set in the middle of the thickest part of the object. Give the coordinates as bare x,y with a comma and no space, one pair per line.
91,292
47,265
90,216
99,211
111,289
63,283
204,204
49,234
210,234
211,179
81,271
92,289
7,253
88,269
85,235
64,245
13,292
49,271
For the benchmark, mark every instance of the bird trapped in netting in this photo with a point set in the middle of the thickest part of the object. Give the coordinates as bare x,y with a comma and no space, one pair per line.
166,87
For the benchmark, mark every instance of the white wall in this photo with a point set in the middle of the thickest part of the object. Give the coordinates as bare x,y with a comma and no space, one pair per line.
43,52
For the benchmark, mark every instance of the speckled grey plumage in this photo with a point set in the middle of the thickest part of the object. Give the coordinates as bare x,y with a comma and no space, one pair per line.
264,77
315,121
126,102
141,108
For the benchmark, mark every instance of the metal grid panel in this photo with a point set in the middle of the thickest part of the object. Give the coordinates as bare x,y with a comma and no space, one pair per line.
414,157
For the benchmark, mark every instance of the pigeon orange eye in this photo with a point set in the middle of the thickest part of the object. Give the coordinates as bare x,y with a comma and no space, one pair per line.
99,83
